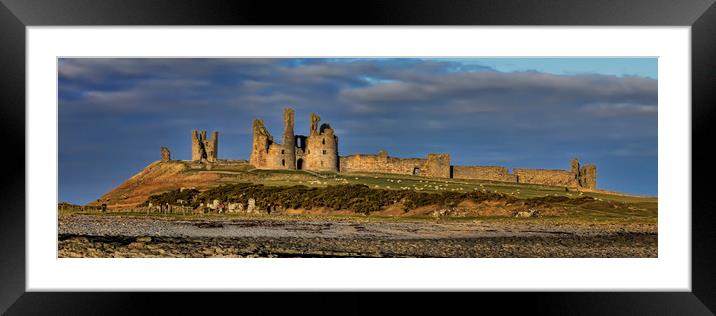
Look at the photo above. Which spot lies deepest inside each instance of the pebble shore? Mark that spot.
(114, 236)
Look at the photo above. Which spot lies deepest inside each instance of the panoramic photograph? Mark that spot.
(357, 157)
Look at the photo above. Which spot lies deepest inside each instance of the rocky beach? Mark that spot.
(137, 236)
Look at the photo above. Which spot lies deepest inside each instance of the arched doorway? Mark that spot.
(299, 164)
(416, 171)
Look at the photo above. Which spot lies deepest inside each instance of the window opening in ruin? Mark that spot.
(324, 151)
(324, 141)
(416, 171)
(299, 164)
(283, 162)
(282, 152)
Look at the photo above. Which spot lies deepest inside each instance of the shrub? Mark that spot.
(357, 198)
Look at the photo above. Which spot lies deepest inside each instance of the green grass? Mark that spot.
(607, 208)
(389, 181)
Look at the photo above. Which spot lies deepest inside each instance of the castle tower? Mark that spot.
(203, 149)
(211, 146)
(321, 147)
(288, 159)
(196, 146)
(588, 177)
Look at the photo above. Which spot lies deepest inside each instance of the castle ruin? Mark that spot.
(319, 152)
(203, 149)
(316, 152)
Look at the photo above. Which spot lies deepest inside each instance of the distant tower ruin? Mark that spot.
(574, 168)
(585, 176)
(203, 149)
(588, 177)
(166, 155)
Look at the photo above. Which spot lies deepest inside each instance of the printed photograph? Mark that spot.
(357, 157)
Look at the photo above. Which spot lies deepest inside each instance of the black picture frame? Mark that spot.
(16, 15)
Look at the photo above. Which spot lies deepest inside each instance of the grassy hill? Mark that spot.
(160, 177)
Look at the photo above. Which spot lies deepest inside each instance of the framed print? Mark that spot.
(417, 147)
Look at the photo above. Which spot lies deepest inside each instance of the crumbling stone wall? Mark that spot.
(261, 143)
(203, 149)
(491, 173)
(436, 165)
(545, 176)
(265, 153)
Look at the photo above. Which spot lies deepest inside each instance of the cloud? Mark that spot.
(491, 90)
(620, 109)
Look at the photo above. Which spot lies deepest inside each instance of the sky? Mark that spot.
(115, 114)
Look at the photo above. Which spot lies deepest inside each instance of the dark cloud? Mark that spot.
(115, 113)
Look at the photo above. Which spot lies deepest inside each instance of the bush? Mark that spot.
(357, 198)
(171, 197)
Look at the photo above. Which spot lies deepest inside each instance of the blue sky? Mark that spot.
(115, 114)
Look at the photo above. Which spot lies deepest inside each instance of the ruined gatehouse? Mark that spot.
(317, 152)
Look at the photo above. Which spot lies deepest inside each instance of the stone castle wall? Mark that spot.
(435, 165)
(546, 176)
(492, 173)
